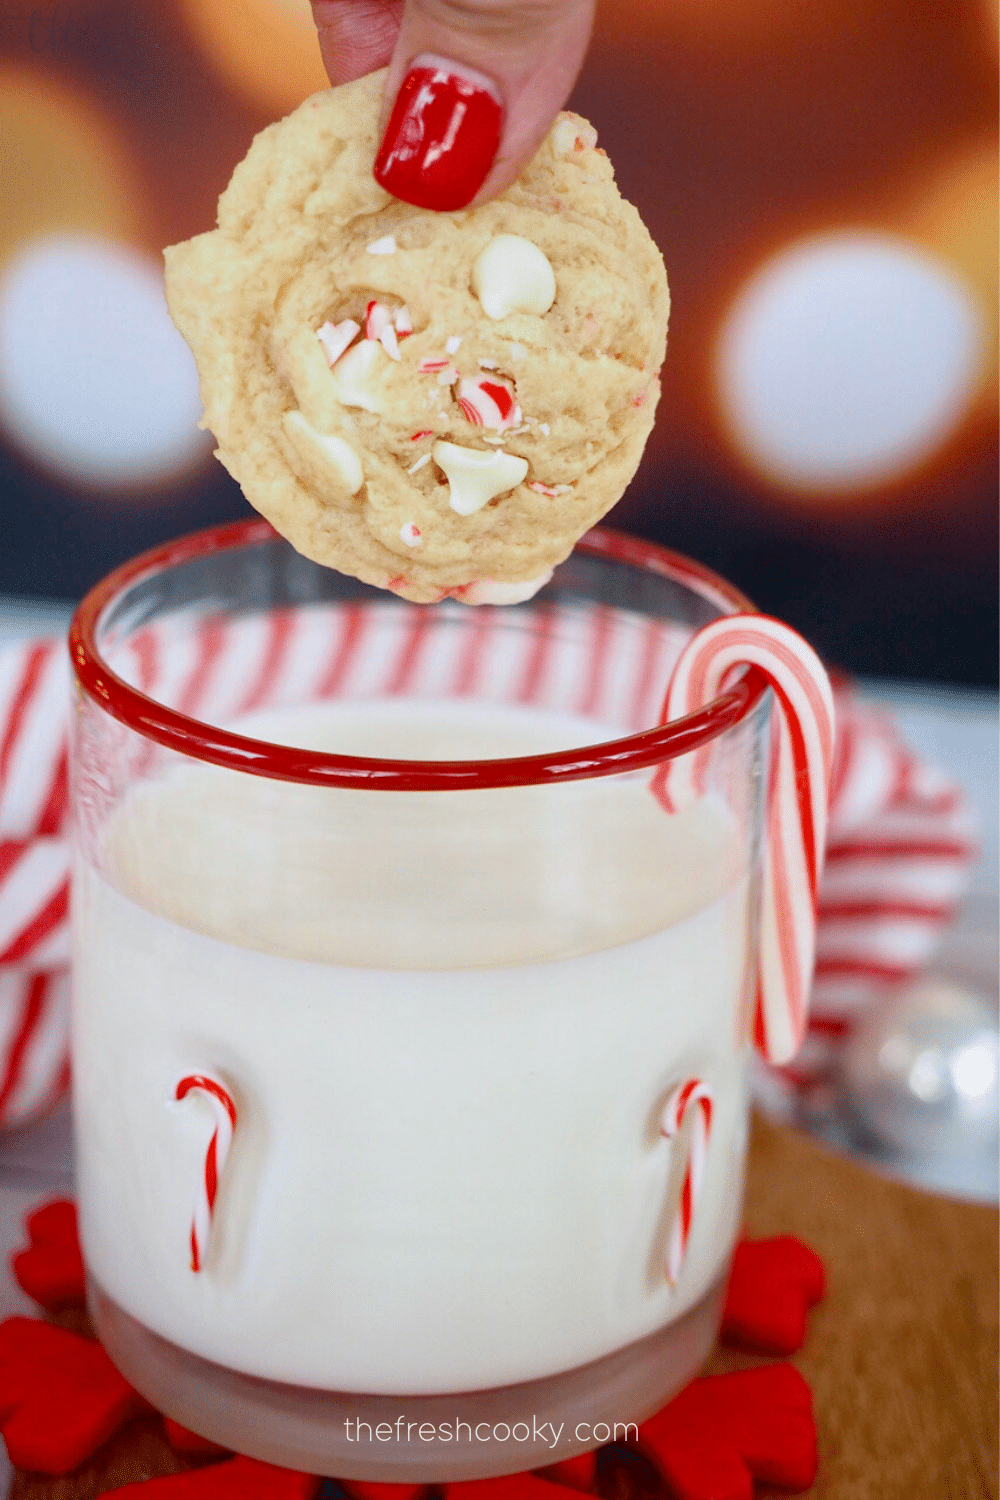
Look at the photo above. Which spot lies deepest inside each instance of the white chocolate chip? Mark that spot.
(352, 376)
(385, 246)
(475, 477)
(336, 337)
(510, 274)
(493, 591)
(332, 454)
(453, 344)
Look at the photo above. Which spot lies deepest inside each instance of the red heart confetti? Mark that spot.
(577, 1472)
(236, 1479)
(185, 1441)
(51, 1270)
(772, 1285)
(724, 1431)
(60, 1396)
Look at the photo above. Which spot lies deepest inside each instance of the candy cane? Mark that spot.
(693, 1094)
(798, 787)
(224, 1111)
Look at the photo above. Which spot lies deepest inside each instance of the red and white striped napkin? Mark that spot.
(900, 842)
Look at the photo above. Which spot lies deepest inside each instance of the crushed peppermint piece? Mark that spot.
(454, 343)
(518, 351)
(424, 432)
(544, 428)
(377, 317)
(336, 337)
(431, 366)
(487, 364)
(424, 459)
(385, 246)
(448, 375)
(488, 403)
(547, 489)
(409, 532)
(403, 322)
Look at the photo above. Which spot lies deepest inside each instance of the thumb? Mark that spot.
(472, 89)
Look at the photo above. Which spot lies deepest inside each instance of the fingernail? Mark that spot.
(442, 135)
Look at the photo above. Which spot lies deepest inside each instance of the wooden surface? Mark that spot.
(901, 1354)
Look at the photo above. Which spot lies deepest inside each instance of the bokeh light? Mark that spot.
(957, 217)
(265, 49)
(62, 167)
(846, 360)
(96, 384)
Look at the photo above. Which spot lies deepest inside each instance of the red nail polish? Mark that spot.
(441, 138)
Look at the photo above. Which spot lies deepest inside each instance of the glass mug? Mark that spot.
(410, 1030)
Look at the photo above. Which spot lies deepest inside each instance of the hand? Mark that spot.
(472, 88)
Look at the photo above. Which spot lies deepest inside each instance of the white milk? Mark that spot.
(449, 1021)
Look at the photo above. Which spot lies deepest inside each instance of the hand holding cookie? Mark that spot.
(500, 68)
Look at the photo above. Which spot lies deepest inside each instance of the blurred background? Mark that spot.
(821, 179)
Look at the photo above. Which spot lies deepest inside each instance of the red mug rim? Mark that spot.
(220, 747)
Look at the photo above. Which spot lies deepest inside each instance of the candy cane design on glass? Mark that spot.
(694, 1095)
(224, 1110)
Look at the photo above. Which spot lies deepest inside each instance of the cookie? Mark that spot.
(437, 403)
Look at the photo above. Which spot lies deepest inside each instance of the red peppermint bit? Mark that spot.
(403, 322)
(51, 1271)
(772, 1285)
(364, 1489)
(237, 1479)
(377, 317)
(61, 1398)
(547, 489)
(578, 1472)
(725, 1431)
(424, 432)
(432, 366)
(189, 1442)
(488, 403)
(399, 582)
(510, 1487)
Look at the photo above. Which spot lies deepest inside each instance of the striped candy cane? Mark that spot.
(801, 761)
(695, 1095)
(224, 1111)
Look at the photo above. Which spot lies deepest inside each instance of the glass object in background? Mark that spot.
(388, 970)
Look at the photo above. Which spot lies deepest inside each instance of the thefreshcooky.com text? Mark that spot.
(487, 1432)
